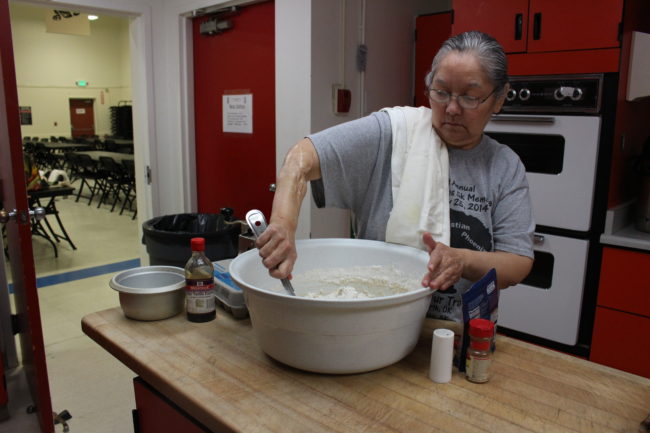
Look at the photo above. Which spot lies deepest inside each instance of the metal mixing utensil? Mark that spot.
(257, 223)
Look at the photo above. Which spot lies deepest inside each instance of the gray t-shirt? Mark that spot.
(489, 200)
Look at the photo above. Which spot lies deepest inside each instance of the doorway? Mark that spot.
(68, 111)
(56, 107)
(82, 118)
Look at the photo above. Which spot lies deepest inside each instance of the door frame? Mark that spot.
(141, 52)
(30, 331)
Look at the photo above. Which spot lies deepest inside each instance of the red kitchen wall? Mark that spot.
(235, 169)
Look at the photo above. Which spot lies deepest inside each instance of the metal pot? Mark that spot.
(335, 336)
(150, 292)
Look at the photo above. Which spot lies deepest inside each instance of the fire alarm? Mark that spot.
(342, 99)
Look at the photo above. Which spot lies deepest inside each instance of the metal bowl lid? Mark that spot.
(147, 280)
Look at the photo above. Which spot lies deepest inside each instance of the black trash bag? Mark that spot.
(167, 237)
(182, 224)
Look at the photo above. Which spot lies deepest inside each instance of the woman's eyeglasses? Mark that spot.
(465, 101)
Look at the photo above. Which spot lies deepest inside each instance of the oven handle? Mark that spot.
(519, 118)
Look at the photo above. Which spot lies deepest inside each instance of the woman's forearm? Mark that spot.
(511, 268)
(447, 265)
(277, 245)
(300, 166)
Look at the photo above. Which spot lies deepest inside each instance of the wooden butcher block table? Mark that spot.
(216, 373)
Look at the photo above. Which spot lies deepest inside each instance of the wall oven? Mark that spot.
(561, 127)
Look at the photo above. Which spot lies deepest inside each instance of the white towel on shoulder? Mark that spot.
(420, 179)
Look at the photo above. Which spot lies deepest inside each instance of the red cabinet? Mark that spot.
(156, 414)
(620, 340)
(548, 36)
(575, 25)
(543, 25)
(624, 281)
(621, 336)
(505, 20)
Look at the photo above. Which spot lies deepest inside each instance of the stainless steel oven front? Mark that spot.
(557, 127)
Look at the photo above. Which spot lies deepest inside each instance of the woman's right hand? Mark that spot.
(277, 247)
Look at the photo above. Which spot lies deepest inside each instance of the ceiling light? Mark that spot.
(93, 17)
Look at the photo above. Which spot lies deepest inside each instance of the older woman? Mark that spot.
(383, 165)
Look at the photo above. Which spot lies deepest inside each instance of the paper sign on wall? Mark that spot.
(238, 113)
(80, 111)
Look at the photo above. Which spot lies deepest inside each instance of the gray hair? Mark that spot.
(489, 52)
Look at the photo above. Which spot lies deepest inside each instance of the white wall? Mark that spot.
(293, 96)
(48, 64)
(386, 28)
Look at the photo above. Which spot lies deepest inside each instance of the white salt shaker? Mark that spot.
(442, 355)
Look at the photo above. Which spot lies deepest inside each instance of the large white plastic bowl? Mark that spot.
(333, 335)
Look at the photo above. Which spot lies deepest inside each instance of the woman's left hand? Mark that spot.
(445, 265)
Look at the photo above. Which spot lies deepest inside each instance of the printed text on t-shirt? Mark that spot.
(465, 197)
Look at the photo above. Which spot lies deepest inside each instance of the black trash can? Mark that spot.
(167, 238)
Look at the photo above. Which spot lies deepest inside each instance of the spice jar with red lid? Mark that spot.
(479, 355)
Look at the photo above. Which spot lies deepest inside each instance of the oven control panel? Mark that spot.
(554, 93)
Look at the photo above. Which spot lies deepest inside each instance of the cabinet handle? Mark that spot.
(519, 22)
(537, 26)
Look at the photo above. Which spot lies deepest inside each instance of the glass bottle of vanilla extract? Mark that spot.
(199, 284)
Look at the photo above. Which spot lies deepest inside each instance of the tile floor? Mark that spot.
(84, 379)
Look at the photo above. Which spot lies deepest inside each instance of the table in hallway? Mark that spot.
(124, 145)
(117, 156)
(64, 147)
(39, 227)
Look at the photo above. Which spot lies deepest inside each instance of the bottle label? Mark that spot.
(477, 369)
(199, 295)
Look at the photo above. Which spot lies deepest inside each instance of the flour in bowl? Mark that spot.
(357, 282)
(345, 292)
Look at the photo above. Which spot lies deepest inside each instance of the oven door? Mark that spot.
(547, 303)
(560, 155)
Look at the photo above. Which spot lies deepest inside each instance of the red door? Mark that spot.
(14, 196)
(505, 20)
(432, 30)
(576, 25)
(82, 118)
(235, 169)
